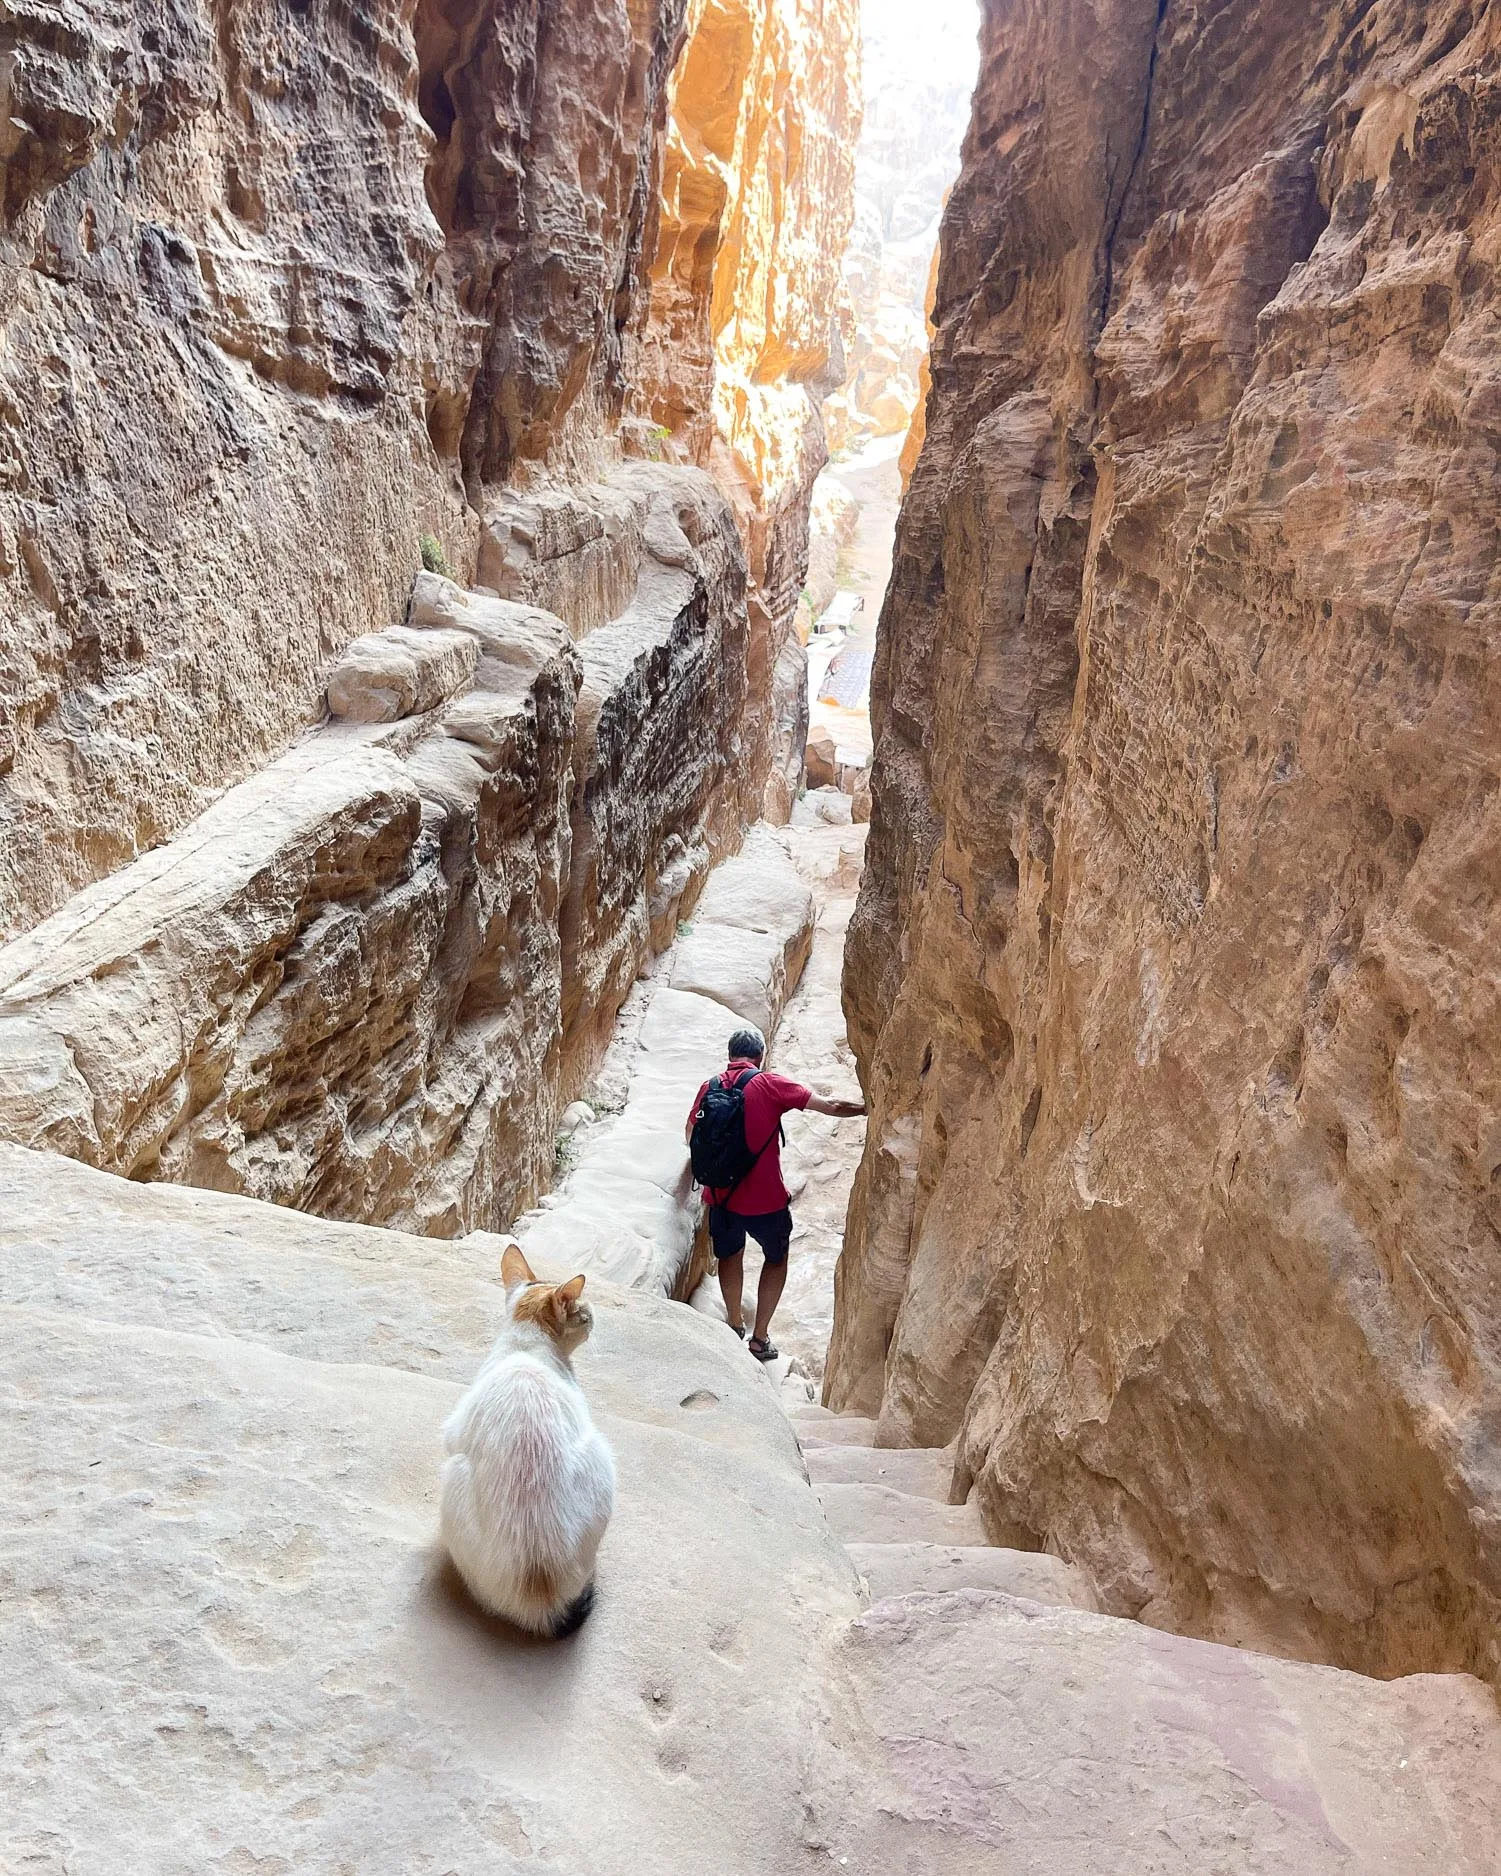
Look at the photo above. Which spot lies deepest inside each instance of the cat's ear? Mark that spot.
(564, 1298)
(514, 1268)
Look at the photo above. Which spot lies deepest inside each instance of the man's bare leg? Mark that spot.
(732, 1289)
(773, 1282)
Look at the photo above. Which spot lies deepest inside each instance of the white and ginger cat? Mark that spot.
(530, 1483)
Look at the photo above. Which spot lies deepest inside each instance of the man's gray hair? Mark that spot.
(748, 1045)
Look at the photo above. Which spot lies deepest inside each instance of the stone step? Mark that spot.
(1054, 1739)
(920, 1471)
(929, 1569)
(842, 1430)
(874, 1514)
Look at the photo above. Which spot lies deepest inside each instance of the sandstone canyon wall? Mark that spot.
(1174, 976)
(278, 282)
(319, 888)
(757, 192)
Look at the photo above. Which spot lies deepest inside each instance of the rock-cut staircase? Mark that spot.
(982, 1715)
(890, 1509)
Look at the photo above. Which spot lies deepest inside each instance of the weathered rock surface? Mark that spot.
(658, 756)
(876, 1514)
(399, 673)
(969, 1718)
(977, 1733)
(340, 987)
(919, 1471)
(365, 981)
(750, 937)
(284, 292)
(625, 1206)
(230, 1638)
(929, 1569)
(1173, 978)
(757, 199)
(278, 347)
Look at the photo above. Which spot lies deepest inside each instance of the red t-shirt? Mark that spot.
(767, 1098)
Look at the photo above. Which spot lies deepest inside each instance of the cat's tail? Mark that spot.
(575, 1615)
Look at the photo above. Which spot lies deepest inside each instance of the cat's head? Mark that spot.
(558, 1309)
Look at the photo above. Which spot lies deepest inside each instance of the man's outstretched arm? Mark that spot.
(841, 1110)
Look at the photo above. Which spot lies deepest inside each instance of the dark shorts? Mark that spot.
(771, 1230)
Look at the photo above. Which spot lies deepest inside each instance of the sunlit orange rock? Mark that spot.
(757, 200)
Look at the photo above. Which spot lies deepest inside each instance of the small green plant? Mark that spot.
(434, 558)
(657, 440)
(565, 1154)
(685, 926)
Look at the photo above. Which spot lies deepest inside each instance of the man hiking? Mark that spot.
(734, 1133)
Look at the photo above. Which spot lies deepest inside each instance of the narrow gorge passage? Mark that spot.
(821, 1153)
(453, 459)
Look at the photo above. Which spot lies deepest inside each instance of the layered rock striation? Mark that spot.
(757, 204)
(318, 894)
(1173, 975)
(364, 982)
(284, 292)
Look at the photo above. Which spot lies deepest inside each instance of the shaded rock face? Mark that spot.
(757, 201)
(280, 285)
(341, 987)
(548, 122)
(658, 755)
(314, 898)
(1172, 978)
(364, 982)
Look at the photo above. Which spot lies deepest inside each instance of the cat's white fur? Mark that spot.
(529, 1484)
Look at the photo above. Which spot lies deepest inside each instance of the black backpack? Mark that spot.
(722, 1156)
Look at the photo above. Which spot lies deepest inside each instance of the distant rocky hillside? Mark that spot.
(1174, 973)
(918, 84)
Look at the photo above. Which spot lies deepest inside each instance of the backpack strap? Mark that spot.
(743, 1081)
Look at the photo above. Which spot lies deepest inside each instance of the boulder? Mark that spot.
(399, 673)
(751, 935)
(821, 760)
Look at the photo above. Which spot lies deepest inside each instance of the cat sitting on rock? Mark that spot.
(529, 1484)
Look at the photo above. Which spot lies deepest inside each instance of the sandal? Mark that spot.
(739, 1328)
(761, 1348)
